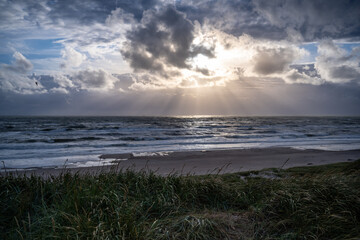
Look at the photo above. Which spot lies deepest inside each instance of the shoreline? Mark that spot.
(205, 162)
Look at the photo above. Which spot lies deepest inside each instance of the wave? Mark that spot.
(64, 140)
(40, 138)
(136, 139)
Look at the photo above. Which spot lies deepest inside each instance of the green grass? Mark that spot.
(317, 202)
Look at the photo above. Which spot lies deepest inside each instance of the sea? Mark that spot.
(55, 142)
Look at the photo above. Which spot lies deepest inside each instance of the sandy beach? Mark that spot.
(210, 162)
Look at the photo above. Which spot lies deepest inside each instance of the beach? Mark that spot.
(207, 162)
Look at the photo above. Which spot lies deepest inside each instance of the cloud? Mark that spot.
(19, 65)
(335, 64)
(163, 40)
(59, 90)
(273, 60)
(237, 99)
(15, 79)
(232, 17)
(18, 14)
(94, 80)
(94, 11)
(278, 19)
(13, 76)
(295, 76)
(316, 19)
(72, 57)
(167, 49)
(213, 59)
(63, 81)
(185, 43)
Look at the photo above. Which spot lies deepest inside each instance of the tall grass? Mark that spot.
(303, 203)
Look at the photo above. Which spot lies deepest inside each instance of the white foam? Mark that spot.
(91, 164)
(149, 154)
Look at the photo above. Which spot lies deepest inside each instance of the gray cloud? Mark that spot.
(308, 69)
(335, 64)
(345, 72)
(231, 16)
(83, 80)
(306, 77)
(278, 19)
(94, 80)
(160, 47)
(13, 77)
(81, 12)
(259, 18)
(275, 60)
(81, 22)
(19, 65)
(163, 39)
(327, 99)
(314, 19)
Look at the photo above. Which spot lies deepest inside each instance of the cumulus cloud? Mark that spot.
(14, 76)
(63, 81)
(72, 57)
(59, 90)
(336, 65)
(273, 60)
(81, 80)
(19, 65)
(163, 40)
(295, 76)
(213, 59)
(94, 80)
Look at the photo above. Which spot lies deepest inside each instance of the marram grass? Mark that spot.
(321, 202)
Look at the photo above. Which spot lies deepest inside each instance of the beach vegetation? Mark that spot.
(315, 202)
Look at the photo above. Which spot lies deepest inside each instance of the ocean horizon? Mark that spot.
(78, 141)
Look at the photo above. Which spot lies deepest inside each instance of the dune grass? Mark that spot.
(318, 202)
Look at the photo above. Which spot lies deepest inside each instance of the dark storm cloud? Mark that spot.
(315, 19)
(231, 16)
(327, 99)
(90, 11)
(164, 38)
(259, 18)
(68, 12)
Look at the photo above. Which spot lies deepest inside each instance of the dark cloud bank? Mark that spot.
(325, 99)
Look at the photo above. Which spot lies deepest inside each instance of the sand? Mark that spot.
(210, 162)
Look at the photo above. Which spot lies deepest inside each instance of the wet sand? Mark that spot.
(210, 162)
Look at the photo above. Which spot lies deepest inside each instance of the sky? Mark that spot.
(180, 57)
